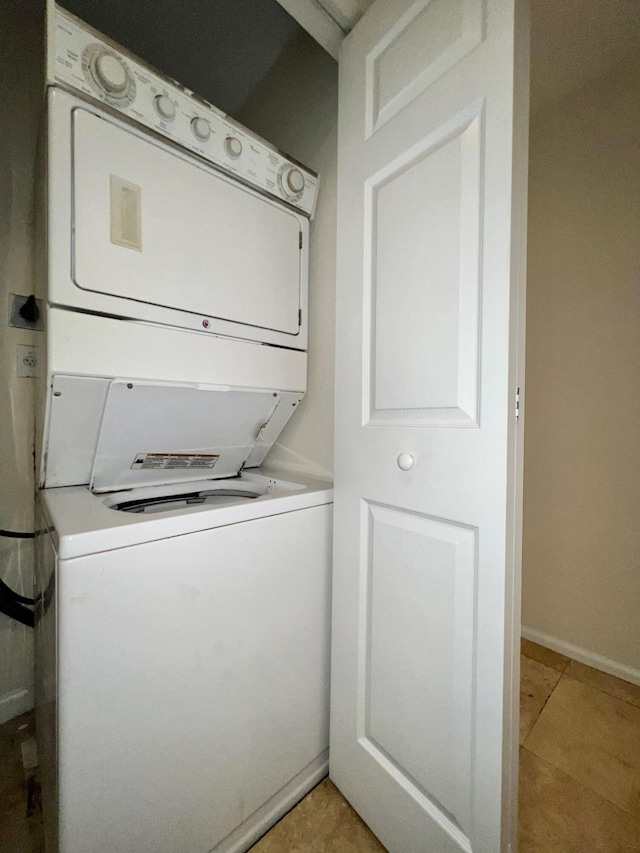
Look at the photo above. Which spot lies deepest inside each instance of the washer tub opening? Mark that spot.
(184, 500)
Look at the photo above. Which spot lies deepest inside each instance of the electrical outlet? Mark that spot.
(27, 366)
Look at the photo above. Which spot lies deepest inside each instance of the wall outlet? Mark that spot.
(27, 366)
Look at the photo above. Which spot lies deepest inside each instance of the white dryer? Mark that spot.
(141, 229)
(182, 629)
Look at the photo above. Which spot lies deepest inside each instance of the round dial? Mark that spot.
(165, 107)
(295, 180)
(233, 147)
(109, 75)
(201, 128)
(291, 182)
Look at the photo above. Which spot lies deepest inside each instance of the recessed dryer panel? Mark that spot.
(163, 230)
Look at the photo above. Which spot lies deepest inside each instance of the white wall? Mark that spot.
(20, 96)
(581, 562)
(296, 108)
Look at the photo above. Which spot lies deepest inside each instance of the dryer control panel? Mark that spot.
(88, 62)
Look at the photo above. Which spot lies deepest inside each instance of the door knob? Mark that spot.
(406, 461)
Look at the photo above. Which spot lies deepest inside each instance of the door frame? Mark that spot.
(313, 18)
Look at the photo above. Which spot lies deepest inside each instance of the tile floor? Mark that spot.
(579, 757)
(579, 770)
(579, 773)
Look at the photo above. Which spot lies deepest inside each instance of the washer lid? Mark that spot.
(159, 433)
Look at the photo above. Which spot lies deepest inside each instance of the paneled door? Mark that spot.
(432, 218)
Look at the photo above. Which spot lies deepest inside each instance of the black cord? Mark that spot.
(18, 612)
(6, 591)
(14, 534)
(11, 602)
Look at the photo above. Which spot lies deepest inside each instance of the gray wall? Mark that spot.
(296, 108)
(20, 99)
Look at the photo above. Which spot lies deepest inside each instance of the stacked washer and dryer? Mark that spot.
(182, 592)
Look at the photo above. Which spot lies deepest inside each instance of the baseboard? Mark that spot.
(621, 670)
(14, 704)
(261, 821)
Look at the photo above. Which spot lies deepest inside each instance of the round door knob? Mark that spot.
(165, 107)
(201, 128)
(233, 147)
(111, 74)
(295, 180)
(406, 461)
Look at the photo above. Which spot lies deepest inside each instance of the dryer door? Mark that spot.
(157, 228)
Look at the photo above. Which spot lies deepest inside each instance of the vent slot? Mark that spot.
(126, 213)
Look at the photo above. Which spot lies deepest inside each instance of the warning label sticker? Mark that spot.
(147, 461)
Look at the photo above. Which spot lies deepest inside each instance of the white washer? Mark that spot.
(183, 664)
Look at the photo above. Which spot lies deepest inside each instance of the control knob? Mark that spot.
(165, 107)
(111, 74)
(233, 147)
(295, 180)
(291, 182)
(201, 128)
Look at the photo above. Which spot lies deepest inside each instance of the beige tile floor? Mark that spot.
(579, 770)
(579, 774)
(579, 757)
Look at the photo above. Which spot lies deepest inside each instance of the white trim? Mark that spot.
(15, 703)
(620, 670)
(270, 812)
(317, 22)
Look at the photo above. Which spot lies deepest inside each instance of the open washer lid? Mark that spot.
(152, 434)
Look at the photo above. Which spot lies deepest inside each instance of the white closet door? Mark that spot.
(432, 217)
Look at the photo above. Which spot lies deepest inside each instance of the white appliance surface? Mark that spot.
(161, 434)
(144, 231)
(189, 689)
(120, 433)
(203, 245)
(183, 593)
(82, 361)
(84, 522)
(83, 344)
(85, 60)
